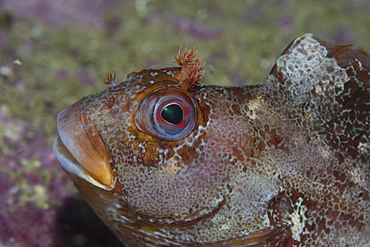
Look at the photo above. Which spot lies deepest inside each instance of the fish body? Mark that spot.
(164, 161)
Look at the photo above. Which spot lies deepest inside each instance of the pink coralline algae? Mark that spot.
(30, 197)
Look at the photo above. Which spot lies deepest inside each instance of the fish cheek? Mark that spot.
(165, 181)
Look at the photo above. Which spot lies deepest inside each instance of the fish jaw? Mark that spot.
(80, 149)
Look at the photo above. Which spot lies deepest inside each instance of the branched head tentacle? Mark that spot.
(191, 67)
(110, 80)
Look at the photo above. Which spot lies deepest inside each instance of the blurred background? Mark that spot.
(54, 52)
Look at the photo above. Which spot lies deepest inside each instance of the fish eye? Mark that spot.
(172, 113)
(169, 114)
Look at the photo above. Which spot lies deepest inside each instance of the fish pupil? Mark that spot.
(172, 114)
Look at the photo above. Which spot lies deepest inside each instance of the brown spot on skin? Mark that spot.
(236, 110)
(249, 152)
(270, 136)
(262, 145)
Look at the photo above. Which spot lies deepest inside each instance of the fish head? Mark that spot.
(144, 140)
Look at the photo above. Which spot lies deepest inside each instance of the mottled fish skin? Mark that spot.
(283, 163)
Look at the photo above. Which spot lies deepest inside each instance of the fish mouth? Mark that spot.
(80, 149)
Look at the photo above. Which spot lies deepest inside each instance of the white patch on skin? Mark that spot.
(254, 106)
(364, 147)
(298, 220)
(266, 221)
(305, 65)
(358, 176)
(170, 73)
